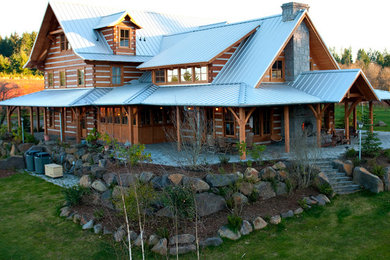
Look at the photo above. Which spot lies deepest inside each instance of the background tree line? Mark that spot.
(375, 64)
(14, 53)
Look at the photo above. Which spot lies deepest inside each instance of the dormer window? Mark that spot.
(124, 38)
(186, 75)
(173, 75)
(64, 44)
(160, 76)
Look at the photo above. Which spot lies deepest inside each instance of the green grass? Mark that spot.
(352, 227)
(381, 113)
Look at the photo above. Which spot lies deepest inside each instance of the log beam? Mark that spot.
(45, 131)
(62, 114)
(286, 129)
(242, 123)
(371, 113)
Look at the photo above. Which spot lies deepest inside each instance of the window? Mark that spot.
(124, 116)
(116, 75)
(159, 76)
(50, 79)
(262, 121)
(51, 118)
(102, 115)
(186, 75)
(117, 115)
(109, 115)
(62, 78)
(256, 122)
(267, 122)
(228, 123)
(145, 117)
(173, 75)
(201, 73)
(210, 120)
(80, 77)
(64, 44)
(158, 116)
(124, 39)
(277, 70)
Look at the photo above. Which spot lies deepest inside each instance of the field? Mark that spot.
(353, 227)
(25, 86)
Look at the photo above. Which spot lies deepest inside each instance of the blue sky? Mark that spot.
(341, 23)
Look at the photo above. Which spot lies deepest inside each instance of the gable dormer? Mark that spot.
(119, 30)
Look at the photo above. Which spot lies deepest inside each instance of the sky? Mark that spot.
(341, 23)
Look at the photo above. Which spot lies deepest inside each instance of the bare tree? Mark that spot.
(7, 91)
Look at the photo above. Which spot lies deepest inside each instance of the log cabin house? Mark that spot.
(131, 74)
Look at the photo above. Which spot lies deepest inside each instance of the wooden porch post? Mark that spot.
(45, 131)
(38, 119)
(286, 129)
(346, 120)
(318, 121)
(77, 113)
(62, 124)
(371, 109)
(178, 128)
(9, 126)
(241, 113)
(354, 120)
(19, 117)
(32, 120)
(130, 122)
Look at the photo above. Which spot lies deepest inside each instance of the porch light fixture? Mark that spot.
(161, 108)
(217, 109)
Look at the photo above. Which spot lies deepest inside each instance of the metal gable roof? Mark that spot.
(328, 85)
(382, 94)
(201, 45)
(113, 19)
(254, 56)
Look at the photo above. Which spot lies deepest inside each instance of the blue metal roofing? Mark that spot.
(382, 94)
(252, 59)
(200, 46)
(122, 95)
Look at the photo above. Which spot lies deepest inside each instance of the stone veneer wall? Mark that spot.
(297, 53)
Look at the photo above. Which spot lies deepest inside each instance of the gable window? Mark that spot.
(62, 78)
(64, 44)
(116, 75)
(201, 73)
(80, 77)
(228, 123)
(277, 72)
(124, 39)
(50, 79)
(173, 75)
(160, 76)
(186, 75)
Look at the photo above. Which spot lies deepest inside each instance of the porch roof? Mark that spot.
(58, 98)
(382, 94)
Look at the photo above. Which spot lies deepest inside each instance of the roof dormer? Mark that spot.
(119, 30)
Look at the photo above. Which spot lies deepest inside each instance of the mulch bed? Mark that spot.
(6, 173)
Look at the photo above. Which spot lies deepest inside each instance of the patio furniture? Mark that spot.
(276, 138)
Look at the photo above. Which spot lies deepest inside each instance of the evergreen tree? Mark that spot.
(362, 56)
(346, 57)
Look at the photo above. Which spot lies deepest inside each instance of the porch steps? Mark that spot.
(340, 182)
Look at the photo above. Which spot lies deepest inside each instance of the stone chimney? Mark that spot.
(291, 9)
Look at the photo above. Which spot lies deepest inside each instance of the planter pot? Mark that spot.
(46, 138)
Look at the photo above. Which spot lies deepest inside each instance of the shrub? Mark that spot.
(351, 153)
(180, 199)
(221, 170)
(378, 170)
(356, 162)
(98, 214)
(326, 189)
(241, 147)
(234, 222)
(253, 196)
(73, 195)
(162, 232)
(257, 152)
(371, 145)
(223, 159)
(92, 136)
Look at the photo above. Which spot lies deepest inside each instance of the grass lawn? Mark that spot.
(353, 227)
(381, 113)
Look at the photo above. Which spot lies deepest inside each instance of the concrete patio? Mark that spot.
(167, 154)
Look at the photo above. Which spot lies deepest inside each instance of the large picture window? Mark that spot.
(228, 123)
(186, 75)
(262, 121)
(181, 75)
(173, 75)
(116, 75)
(124, 39)
(201, 73)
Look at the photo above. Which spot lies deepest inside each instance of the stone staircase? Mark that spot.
(340, 182)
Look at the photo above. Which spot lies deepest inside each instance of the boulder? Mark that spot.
(76, 218)
(117, 192)
(368, 180)
(381, 123)
(138, 240)
(287, 214)
(70, 158)
(133, 236)
(309, 201)
(275, 219)
(386, 179)
(119, 235)
(99, 186)
(346, 167)
(25, 147)
(225, 232)
(86, 157)
(160, 247)
(97, 171)
(78, 164)
(176, 178)
(196, 184)
(251, 174)
(246, 228)
(211, 241)
(110, 178)
(182, 249)
(265, 190)
(12, 163)
(106, 196)
(246, 188)
(267, 173)
(165, 212)
(239, 199)
(322, 198)
(65, 212)
(209, 203)
(160, 182)
(259, 223)
(96, 157)
(153, 240)
(321, 180)
(279, 166)
(182, 239)
(14, 150)
(88, 225)
(97, 229)
(126, 179)
(282, 175)
(107, 231)
(85, 181)
(220, 180)
(298, 211)
(145, 177)
(320, 201)
(71, 150)
(102, 163)
(281, 188)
